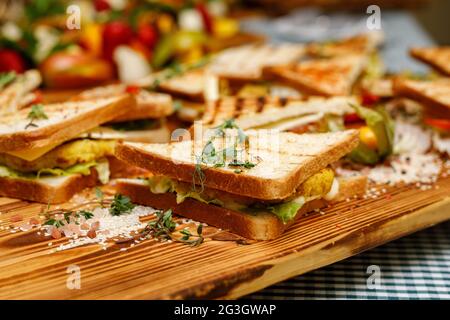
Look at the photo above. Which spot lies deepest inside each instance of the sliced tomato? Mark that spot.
(369, 99)
(352, 118)
(133, 89)
(442, 124)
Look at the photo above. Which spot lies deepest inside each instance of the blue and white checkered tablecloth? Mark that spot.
(415, 267)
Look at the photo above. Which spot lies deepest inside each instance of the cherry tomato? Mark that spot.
(101, 5)
(443, 124)
(369, 99)
(115, 33)
(352, 118)
(132, 89)
(147, 35)
(368, 137)
(11, 60)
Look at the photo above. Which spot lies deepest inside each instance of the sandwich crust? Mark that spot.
(66, 128)
(329, 148)
(262, 226)
(45, 192)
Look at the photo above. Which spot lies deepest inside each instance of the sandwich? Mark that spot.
(188, 85)
(17, 90)
(253, 183)
(144, 120)
(283, 114)
(365, 43)
(433, 94)
(326, 77)
(437, 57)
(246, 63)
(43, 158)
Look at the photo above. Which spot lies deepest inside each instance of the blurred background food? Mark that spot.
(128, 39)
(115, 38)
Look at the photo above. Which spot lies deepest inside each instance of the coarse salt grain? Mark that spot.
(111, 227)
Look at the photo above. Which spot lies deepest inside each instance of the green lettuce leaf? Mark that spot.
(381, 124)
(288, 210)
(194, 195)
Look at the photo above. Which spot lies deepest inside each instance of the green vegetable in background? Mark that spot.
(363, 154)
(383, 127)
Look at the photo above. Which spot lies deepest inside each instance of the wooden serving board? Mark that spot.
(216, 269)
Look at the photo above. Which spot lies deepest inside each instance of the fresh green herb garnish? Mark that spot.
(86, 214)
(37, 112)
(164, 227)
(68, 217)
(210, 156)
(54, 222)
(6, 78)
(121, 204)
(246, 164)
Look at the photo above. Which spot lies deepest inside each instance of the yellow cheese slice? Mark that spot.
(33, 154)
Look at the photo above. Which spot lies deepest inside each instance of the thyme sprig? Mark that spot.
(210, 156)
(36, 113)
(163, 228)
(120, 204)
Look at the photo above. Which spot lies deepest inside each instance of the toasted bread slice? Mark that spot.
(47, 190)
(64, 122)
(18, 94)
(283, 161)
(160, 134)
(261, 226)
(326, 77)
(434, 93)
(360, 44)
(148, 105)
(437, 57)
(246, 63)
(273, 112)
(188, 85)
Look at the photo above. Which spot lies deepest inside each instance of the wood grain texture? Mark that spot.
(216, 269)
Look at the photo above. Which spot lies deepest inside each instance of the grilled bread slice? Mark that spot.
(18, 93)
(261, 226)
(327, 77)
(433, 93)
(283, 161)
(437, 57)
(273, 112)
(188, 85)
(360, 44)
(62, 122)
(148, 105)
(246, 63)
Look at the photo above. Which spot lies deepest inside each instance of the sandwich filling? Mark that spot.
(320, 185)
(73, 157)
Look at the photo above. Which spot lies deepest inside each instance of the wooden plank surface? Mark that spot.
(216, 269)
